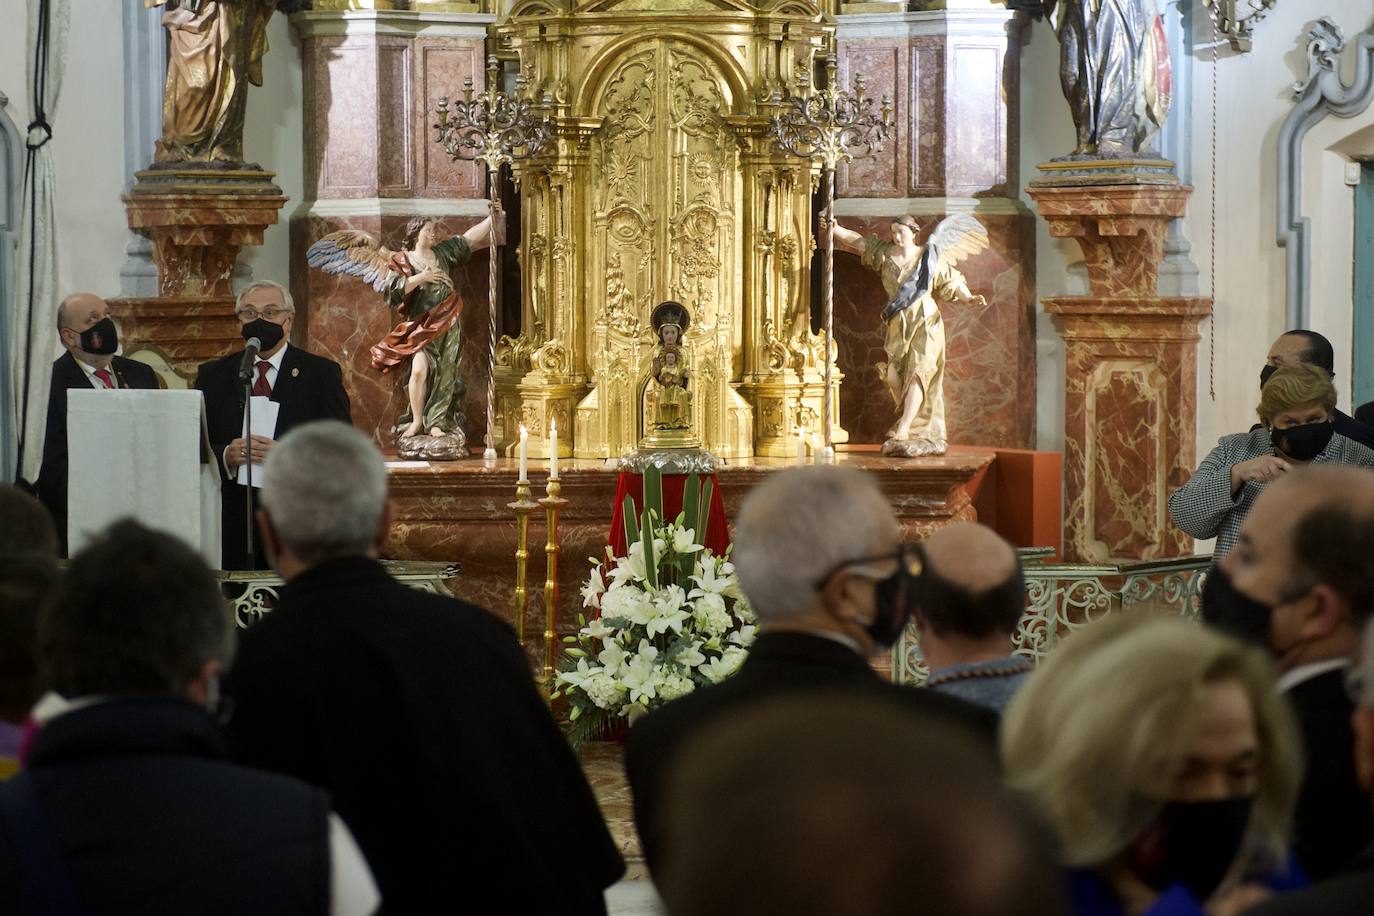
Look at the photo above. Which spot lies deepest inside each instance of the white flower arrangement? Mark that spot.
(666, 618)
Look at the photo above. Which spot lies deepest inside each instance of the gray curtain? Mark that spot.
(11, 181)
(35, 296)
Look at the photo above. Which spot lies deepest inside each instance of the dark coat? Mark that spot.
(777, 663)
(153, 818)
(419, 715)
(1346, 894)
(308, 387)
(1333, 821)
(66, 375)
(1355, 427)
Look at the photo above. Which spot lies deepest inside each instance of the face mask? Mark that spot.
(101, 338)
(268, 332)
(1268, 370)
(1302, 443)
(1234, 613)
(894, 597)
(1192, 844)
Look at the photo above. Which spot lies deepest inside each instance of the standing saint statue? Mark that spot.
(914, 278)
(416, 283)
(214, 50)
(1114, 68)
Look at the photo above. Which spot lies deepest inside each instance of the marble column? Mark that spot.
(372, 79)
(953, 75)
(1130, 405)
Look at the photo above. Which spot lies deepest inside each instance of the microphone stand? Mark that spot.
(246, 379)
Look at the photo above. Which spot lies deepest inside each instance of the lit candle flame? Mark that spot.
(523, 432)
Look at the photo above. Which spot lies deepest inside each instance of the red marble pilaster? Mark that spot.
(1130, 403)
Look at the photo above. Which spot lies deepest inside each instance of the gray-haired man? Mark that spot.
(417, 712)
(305, 386)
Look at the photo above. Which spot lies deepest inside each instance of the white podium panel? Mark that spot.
(143, 455)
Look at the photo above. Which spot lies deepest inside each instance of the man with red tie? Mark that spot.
(90, 338)
(305, 386)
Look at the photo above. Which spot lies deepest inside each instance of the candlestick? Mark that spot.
(553, 450)
(801, 446)
(551, 503)
(523, 507)
(524, 455)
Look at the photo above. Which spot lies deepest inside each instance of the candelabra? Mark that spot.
(830, 126)
(497, 128)
(523, 507)
(551, 502)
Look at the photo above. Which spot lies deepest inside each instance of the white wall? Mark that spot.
(88, 139)
(1254, 95)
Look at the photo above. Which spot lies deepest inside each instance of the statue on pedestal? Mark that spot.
(1114, 67)
(416, 282)
(214, 50)
(914, 278)
(667, 400)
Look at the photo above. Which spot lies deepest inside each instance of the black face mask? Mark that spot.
(1234, 613)
(895, 596)
(1302, 443)
(101, 338)
(1268, 370)
(1192, 844)
(270, 333)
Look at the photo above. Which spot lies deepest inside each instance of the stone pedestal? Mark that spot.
(953, 75)
(372, 79)
(1130, 411)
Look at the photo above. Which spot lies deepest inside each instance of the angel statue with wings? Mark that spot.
(916, 279)
(417, 284)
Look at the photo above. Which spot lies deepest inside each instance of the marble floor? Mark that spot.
(634, 895)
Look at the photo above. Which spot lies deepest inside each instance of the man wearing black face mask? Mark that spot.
(305, 386)
(1300, 583)
(969, 599)
(1303, 346)
(818, 556)
(90, 338)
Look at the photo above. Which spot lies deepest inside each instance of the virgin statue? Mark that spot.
(916, 279)
(667, 401)
(416, 282)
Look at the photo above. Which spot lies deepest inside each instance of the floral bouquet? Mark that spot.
(666, 618)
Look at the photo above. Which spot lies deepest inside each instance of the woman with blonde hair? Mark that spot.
(1164, 759)
(1295, 410)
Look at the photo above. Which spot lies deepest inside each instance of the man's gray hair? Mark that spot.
(798, 527)
(266, 284)
(324, 488)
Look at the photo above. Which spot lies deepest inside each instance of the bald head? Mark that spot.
(801, 524)
(972, 586)
(77, 313)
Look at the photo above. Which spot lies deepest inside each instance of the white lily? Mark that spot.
(710, 582)
(691, 656)
(640, 676)
(593, 590)
(717, 670)
(611, 658)
(684, 540)
(667, 611)
(580, 676)
(744, 636)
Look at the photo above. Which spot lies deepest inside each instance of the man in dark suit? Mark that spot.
(1303, 346)
(418, 713)
(1301, 583)
(817, 554)
(305, 386)
(90, 338)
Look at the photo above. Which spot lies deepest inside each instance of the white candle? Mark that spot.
(524, 452)
(553, 450)
(817, 453)
(801, 446)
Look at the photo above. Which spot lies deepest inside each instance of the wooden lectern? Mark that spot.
(143, 455)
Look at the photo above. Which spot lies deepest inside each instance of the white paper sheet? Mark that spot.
(264, 412)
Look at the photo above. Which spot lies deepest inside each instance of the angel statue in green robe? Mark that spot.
(416, 282)
(917, 278)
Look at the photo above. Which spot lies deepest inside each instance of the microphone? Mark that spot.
(250, 355)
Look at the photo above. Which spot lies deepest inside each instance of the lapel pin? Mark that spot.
(295, 372)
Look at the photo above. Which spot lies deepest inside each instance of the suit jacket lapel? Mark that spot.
(73, 376)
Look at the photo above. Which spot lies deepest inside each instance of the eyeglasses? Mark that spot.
(271, 313)
(909, 557)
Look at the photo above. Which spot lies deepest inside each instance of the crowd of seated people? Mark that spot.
(370, 748)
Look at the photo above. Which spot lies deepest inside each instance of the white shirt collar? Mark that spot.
(1304, 673)
(91, 370)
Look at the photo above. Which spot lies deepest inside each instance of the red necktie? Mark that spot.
(104, 376)
(261, 388)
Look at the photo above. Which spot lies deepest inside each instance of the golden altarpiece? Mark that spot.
(663, 185)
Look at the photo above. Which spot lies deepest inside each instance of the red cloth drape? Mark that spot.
(717, 537)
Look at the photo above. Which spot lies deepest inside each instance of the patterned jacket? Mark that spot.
(1204, 507)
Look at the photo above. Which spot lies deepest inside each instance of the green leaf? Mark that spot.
(704, 510)
(627, 508)
(653, 490)
(650, 568)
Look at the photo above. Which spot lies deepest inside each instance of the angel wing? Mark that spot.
(355, 254)
(955, 238)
